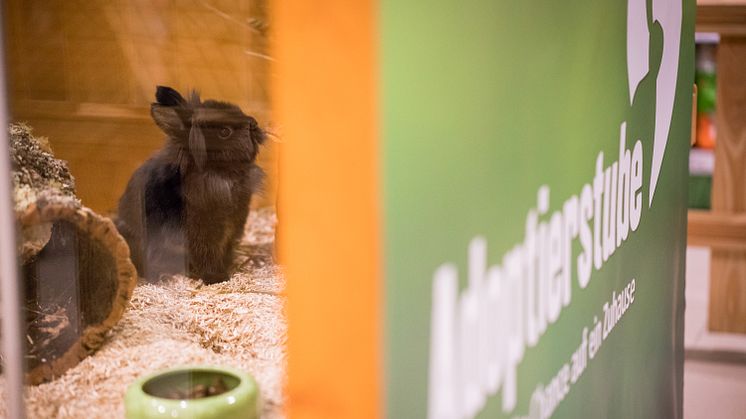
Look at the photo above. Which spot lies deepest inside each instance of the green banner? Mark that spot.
(535, 163)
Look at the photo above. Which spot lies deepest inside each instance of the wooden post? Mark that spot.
(329, 236)
(728, 266)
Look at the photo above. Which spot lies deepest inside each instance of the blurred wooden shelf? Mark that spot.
(726, 17)
(721, 2)
(717, 230)
(50, 109)
(86, 111)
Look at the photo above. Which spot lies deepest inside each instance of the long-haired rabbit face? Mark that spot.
(210, 131)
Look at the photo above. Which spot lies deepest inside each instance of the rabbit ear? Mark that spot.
(167, 110)
(167, 96)
(197, 146)
(168, 120)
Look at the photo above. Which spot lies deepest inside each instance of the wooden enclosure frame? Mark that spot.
(324, 98)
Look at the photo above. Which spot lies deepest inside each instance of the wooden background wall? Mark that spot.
(83, 74)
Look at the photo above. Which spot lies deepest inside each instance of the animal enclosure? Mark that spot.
(83, 74)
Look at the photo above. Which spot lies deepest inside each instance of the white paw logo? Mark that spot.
(668, 15)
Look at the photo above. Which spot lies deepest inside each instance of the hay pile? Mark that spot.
(181, 321)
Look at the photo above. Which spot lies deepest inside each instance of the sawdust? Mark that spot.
(178, 322)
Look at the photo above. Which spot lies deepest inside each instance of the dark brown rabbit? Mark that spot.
(185, 208)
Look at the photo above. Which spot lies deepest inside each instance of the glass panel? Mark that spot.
(145, 193)
(11, 313)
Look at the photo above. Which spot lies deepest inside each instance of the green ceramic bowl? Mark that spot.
(157, 395)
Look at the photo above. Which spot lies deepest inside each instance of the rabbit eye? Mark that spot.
(225, 132)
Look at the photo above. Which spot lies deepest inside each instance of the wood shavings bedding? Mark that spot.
(182, 321)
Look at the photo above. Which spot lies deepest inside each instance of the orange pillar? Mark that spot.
(324, 95)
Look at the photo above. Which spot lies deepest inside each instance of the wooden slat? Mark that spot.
(51, 109)
(100, 112)
(710, 3)
(728, 267)
(717, 230)
(727, 17)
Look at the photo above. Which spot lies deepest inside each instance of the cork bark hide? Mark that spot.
(76, 270)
